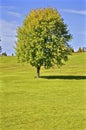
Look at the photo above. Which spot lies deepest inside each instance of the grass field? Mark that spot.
(56, 101)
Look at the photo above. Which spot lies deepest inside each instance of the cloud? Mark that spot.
(81, 12)
(8, 10)
(7, 27)
(6, 7)
(14, 14)
(8, 35)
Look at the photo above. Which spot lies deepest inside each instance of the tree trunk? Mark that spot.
(38, 71)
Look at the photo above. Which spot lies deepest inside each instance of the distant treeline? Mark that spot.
(3, 54)
(82, 49)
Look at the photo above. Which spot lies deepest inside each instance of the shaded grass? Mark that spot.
(56, 101)
(65, 77)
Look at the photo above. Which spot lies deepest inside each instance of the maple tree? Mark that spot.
(43, 38)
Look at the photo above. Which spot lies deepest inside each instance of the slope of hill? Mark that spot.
(56, 101)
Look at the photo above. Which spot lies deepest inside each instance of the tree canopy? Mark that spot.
(43, 38)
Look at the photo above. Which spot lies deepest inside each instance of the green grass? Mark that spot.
(56, 101)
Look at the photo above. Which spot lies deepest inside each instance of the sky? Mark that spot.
(13, 12)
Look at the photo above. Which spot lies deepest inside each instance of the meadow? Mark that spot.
(55, 101)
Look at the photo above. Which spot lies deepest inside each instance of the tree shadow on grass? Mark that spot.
(65, 77)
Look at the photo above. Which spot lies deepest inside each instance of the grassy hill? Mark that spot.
(56, 101)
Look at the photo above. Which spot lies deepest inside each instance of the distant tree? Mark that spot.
(71, 49)
(79, 50)
(0, 49)
(12, 54)
(43, 39)
(83, 49)
(4, 54)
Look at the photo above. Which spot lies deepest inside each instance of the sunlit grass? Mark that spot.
(56, 101)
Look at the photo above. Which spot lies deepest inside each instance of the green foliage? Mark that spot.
(4, 54)
(82, 49)
(57, 101)
(0, 49)
(71, 49)
(43, 39)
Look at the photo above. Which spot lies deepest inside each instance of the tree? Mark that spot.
(43, 39)
(4, 54)
(83, 49)
(0, 49)
(71, 49)
(80, 49)
(12, 54)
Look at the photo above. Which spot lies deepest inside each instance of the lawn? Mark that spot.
(56, 101)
